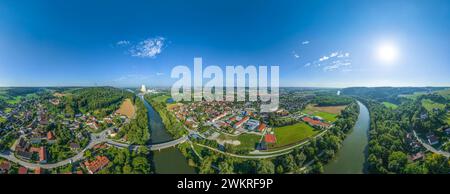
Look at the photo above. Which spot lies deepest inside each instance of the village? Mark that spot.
(225, 122)
(36, 132)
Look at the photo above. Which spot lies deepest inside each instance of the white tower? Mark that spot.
(143, 90)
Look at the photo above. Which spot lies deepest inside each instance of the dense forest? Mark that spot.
(332, 100)
(389, 94)
(99, 101)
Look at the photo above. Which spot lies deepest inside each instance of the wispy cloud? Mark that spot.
(338, 64)
(333, 61)
(123, 43)
(305, 42)
(148, 48)
(295, 54)
(159, 73)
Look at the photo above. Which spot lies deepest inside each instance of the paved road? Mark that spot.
(244, 156)
(431, 148)
(95, 139)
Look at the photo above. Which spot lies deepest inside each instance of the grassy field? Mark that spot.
(430, 105)
(412, 96)
(445, 93)
(247, 141)
(127, 108)
(390, 105)
(162, 98)
(329, 113)
(292, 134)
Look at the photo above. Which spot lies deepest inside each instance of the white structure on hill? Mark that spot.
(143, 90)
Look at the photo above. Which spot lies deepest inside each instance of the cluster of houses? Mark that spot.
(25, 151)
(415, 147)
(212, 113)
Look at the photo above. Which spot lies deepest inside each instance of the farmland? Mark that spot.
(127, 108)
(329, 113)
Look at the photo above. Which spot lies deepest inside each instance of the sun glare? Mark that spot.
(387, 53)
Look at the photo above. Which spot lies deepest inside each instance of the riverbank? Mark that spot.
(351, 158)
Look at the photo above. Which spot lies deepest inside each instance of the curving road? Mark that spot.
(95, 139)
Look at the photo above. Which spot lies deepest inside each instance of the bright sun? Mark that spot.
(387, 53)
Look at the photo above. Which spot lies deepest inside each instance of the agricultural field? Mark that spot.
(445, 93)
(430, 105)
(293, 134)
(390, 105)
(329, 113)
(412, 96)
(127, 108)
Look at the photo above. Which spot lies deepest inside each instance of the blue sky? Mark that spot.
(315, 43)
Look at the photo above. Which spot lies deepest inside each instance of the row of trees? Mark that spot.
(137, 131)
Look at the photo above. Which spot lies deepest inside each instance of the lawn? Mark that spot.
(390, 105)
(430, 105)
(293, 134)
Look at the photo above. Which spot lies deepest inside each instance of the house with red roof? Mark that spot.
(261, 127)
(99, 163)
(315, 123)
(50, 136)
(23, 170)
(41, 152)
(241, 122)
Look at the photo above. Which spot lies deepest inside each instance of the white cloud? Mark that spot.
(307, 65)
(334, 54)
(123, 43)
(296, 56)
(305, 42)
(159, 73)
(148, 48)
(337, 65)
(324, 58)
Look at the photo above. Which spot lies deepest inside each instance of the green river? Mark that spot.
(351, 158)
(170, 160)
